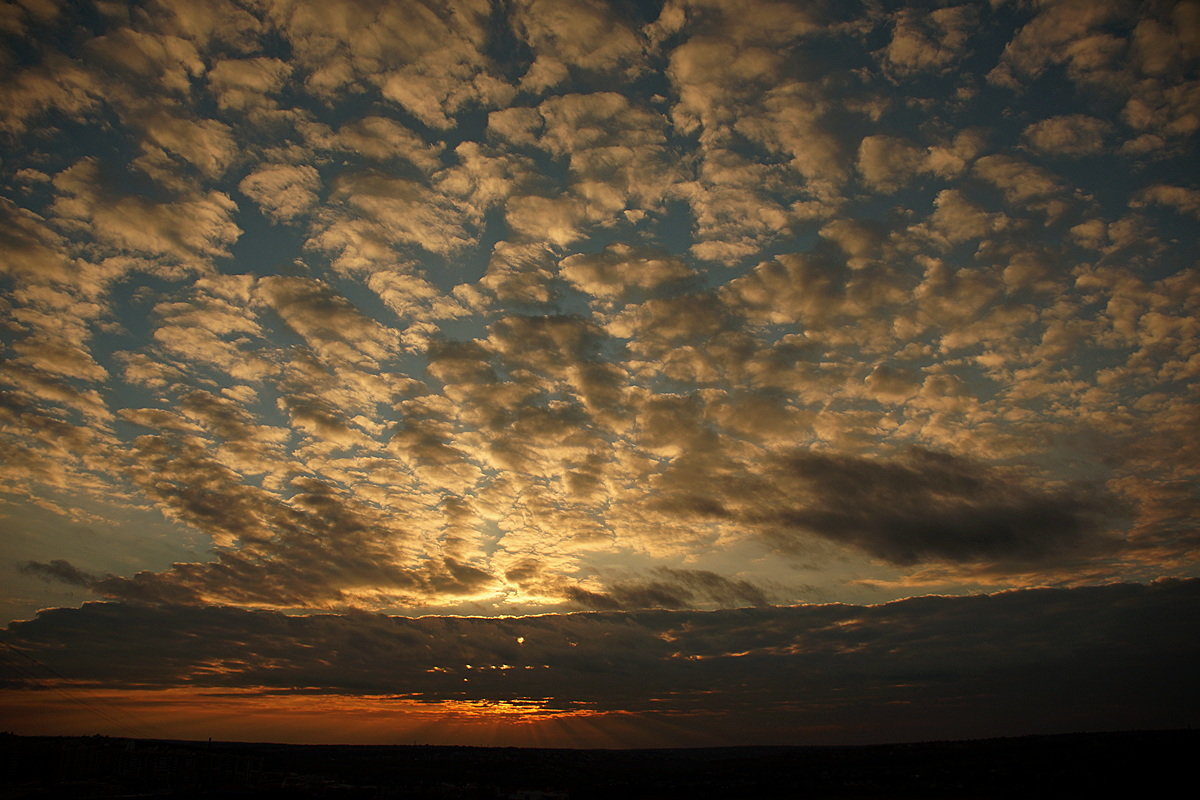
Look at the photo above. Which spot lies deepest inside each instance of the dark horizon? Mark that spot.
(1032, 766)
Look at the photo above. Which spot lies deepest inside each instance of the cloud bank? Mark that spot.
(925, 667)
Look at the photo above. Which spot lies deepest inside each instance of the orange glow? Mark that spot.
(258, 715)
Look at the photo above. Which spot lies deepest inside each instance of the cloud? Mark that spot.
(161, 61)
(483, 179)
(616, 150)
(1060, 32)
(330, 325)
(34, 252)
(887, 163)
(924, 41)
(1164, 44)
(658, 325)
(519, 125)
(221, 23)
(383, 139)
(794, 119)
(767, 22)
(734, 208)
(958, 219)
(671, 588)
(215, 326)
(1019, 181)
(577, 122)
(58, 570)
(1100, 657)
(20, 16)
(316, 546)
(889, 383)
(555, 220)
(58, 358)
(58, 83)
(235, 427)
(585, 34)
(399, 210)
(793, 288)
(932, 506)
(1183, 199)
(420, 55)
(710, 74)
(206, 144)
(480, 307)
(951, 158)
(243, 84)
(1069, 135)
(321, 419)
(191, 230)
(42, 388)
(284, 192)
(411, 295)
(621, 269)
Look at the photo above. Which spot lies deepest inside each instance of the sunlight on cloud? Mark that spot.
(536, 307)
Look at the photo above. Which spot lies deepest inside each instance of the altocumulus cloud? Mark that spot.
(640, 322)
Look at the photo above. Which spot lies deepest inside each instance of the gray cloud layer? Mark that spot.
(936, 506)
(1107, 656)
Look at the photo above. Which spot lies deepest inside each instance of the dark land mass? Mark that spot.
(1144, 763)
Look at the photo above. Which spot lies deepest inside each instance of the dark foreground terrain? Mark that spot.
(1076, 765)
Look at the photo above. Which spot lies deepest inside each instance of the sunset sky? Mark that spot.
(585, 373)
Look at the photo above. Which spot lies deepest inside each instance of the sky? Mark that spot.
(585, 373)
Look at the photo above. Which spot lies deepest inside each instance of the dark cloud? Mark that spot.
(936, 506)
(58, 570)
(1098, 657)
(671, 588)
